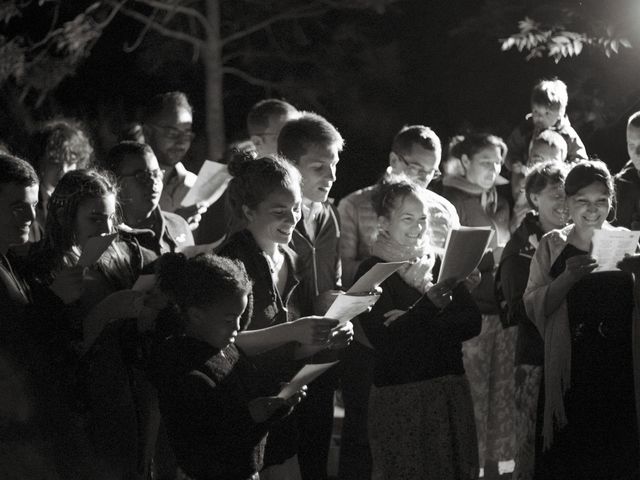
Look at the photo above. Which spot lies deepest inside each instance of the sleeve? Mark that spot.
(514, 276)
(576, 149)
(372, 322)
(348, 240)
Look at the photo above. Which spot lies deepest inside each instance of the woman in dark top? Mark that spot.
(265, 197)
(213, 397)
(586, 320)
(544, 191)
(421, 421)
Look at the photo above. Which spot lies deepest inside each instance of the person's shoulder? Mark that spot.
(359, 196)
(628, 175)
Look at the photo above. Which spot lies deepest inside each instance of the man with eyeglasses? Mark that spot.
(140, 180)
(167, 128)
(264, 122)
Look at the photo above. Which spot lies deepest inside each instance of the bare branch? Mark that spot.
(249, 78)
(184, 10)
(128, 48)
(304, 11)
(167, 32)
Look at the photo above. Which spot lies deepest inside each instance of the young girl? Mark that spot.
(265, 196)
(588, 324)
(213, 398)
(488, 358)
(421, 423)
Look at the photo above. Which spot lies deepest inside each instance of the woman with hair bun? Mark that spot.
(591, 351)
(264, 197)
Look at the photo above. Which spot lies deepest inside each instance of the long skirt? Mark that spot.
(424, 430)
(489, 362)
(527, 378)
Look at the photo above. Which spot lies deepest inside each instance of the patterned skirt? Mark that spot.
(424, 430)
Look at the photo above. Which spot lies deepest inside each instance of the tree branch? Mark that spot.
(305, 11)
(167, 32)
(188, 11)
(249, 78)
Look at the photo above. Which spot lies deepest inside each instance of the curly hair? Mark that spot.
(392, 189)
(61, 141)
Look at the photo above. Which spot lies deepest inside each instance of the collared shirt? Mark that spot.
(171, 232)
(310, 212)
(176, 186)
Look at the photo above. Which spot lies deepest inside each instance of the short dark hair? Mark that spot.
(551, 138)
(551, 172)
(390, 189)
(159, 103)
(201, 280)
(551, 93)
(310, 129)
(59, 139)
(411, 135)
(117, 154)
(261, 112)
(634, 120)
(18, 171)
(474, 142)
(586, 172)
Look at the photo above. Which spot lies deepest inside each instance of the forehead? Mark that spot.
(276, 122)
(133, 162)
(412, 203)
(489, 152)
(633, 133)
(593, 189)
(419, 154)
(536, 107)
(12, 193)
(320, 153)
(544, 147)
(283, 196)
(554, 187)
(105, 205)
(174, 116)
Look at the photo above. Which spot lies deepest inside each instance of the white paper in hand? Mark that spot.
(212, 181)
(305, 376)
(94, 248)
(375, 276)
(347, 306)
(608, 247)
(464, 249)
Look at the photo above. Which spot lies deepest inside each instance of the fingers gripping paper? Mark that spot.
(608, 247)
(306, 375)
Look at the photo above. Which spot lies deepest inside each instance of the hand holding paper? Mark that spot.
(212, 181)
(609, 247)
(306, 375)
(464, 249)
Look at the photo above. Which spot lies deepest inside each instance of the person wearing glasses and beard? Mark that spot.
(140, 180)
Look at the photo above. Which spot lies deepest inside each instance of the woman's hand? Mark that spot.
(441, 293)
(473, 280)
(392, 315)
(312, 330)
(579, 266)
(630, 264)
(341, 336)
(262, 408)
(68, 284)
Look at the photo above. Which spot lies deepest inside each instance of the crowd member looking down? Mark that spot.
(168, 130)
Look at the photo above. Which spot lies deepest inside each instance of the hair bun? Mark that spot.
(239, 162)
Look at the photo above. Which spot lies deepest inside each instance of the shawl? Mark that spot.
(554, 329)
(488, 198)
(418, 273)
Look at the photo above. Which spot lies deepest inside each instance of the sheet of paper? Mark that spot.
(374, 277)
(464, 249)
(210, 185)
(193, 250)
(94, 248)
(305, 376)
(608, 247)
(347, 306)
(144, 283)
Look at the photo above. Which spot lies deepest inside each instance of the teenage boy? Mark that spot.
(264, 122)
(167, 127)
(140, 179)
(627, 181)
(314, 145)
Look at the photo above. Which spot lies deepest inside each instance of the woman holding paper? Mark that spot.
(587, 322)
(421, 422)
(265, 197)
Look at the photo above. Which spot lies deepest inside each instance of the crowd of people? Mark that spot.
(153, 363)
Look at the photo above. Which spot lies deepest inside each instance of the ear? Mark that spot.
(249, 214)
(383, 223)
(535, 198)
(256, 140)
(466, 162)
(394, 161)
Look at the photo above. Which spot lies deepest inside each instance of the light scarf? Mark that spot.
(488, 198)
(416, 274)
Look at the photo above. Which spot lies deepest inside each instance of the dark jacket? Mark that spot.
(204, 395)
(511, 282)
(318, 263)
(170, 232)
(627, 183)
(425, 342)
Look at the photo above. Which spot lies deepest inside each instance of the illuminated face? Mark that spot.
(551, 206)
(140, 184)
(273, 220)
(407, 224)
(483, 167)
(420, 164)
(633, 145)
(545, 117)
(318, 169)
(170, 135)
(589, 207)
(95, 217)
(218, 324)
(17, 212)
(541, 152)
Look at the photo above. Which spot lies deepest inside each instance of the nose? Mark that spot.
(332, 174)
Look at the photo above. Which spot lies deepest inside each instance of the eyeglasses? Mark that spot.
(417, 171)
(174, 134)
(146, 176)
